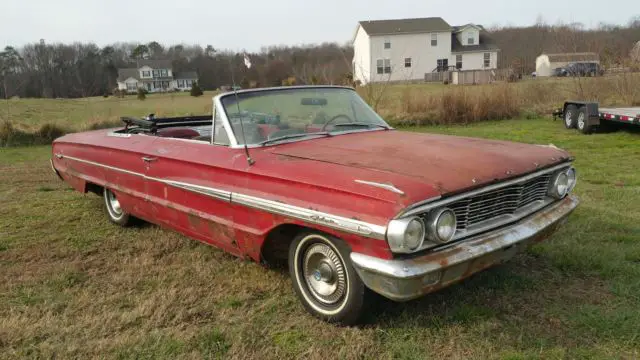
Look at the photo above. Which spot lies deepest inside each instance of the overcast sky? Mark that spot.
(251, 24)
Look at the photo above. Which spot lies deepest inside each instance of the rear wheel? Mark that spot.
(570, 116)
(114, 210)
(582, 121)
(324, 279)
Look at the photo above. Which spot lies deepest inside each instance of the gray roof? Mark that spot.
(486, 42)
(155, 64)
(569, 57)
(124, 74)
(404, 26)
(186, 75)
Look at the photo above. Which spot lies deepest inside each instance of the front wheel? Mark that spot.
(324, 279)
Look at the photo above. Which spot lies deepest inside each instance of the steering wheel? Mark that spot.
(334, 119)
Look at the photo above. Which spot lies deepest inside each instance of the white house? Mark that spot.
(154, 76)
(407, 49)
(546, 63)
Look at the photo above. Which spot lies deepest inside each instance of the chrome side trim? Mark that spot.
(311, 216)
(426, 205)
(61, 156)
(204, 190)
(389, 187)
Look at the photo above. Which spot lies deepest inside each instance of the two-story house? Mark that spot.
(154, 76)
(407, 49)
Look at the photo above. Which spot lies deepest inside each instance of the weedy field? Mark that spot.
(38, 121)
(72, 285)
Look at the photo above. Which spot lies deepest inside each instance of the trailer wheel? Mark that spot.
(570, 116)
(582, 121)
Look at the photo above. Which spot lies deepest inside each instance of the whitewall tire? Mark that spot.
(324, 279)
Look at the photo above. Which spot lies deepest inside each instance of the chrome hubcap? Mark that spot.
(114, 204)
(324, 274)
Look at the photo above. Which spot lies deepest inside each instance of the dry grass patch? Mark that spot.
(72, 285)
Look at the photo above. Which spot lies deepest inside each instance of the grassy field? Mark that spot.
(72, 285)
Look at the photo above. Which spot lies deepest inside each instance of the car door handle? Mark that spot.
(149, 159)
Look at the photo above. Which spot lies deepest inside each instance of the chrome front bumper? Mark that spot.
(407, 279)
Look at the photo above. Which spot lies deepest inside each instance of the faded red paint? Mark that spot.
(314, 174)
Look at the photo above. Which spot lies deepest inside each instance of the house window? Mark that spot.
(387, 44)
(164, 72)
(180, 83)
(146, 74)
(383, 66)
(188, 83)
(458, 61)
(487, 60)
(407, 62)
(470, 38)
(132, 86)
(443, 65)
(434, 39)
(156, 73)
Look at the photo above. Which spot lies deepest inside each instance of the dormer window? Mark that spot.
(146, 74)
(471, 39)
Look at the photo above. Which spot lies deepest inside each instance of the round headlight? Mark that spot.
(406, 235)
(442, 225)
(414, 235)
(572, 178)
(560, 185)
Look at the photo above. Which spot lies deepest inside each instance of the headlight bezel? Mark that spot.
(433, 225)
(397, 233)
(571, 179)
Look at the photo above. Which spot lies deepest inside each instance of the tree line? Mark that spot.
(53, 70)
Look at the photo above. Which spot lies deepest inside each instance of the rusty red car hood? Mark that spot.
(447, 163)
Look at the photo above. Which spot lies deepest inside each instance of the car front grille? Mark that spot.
(503, 201)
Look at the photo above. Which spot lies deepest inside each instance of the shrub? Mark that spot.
(49, 132)
(142, 94)
(104, 124)
(196, 90)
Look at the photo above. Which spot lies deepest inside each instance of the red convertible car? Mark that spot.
(312, 176)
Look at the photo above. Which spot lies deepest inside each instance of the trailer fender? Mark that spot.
(593, 112)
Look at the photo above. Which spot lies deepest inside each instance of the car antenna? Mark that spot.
(247, 63)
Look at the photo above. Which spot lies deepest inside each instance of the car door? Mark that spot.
(189, 184)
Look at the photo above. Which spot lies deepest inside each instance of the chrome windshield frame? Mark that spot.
(217, 103)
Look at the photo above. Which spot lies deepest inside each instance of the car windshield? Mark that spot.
(291, 114)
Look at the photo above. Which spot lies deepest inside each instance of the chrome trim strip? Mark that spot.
(312, 216)
(426, 205)
(389, 187)
(316, 217)
(61, 156)
(204, 190)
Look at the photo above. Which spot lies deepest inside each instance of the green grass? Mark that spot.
(80, 114)
(72, 285)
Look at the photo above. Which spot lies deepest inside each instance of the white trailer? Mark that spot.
(586, 116)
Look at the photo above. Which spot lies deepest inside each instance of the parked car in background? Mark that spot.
(312, 176)
(580, 69)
